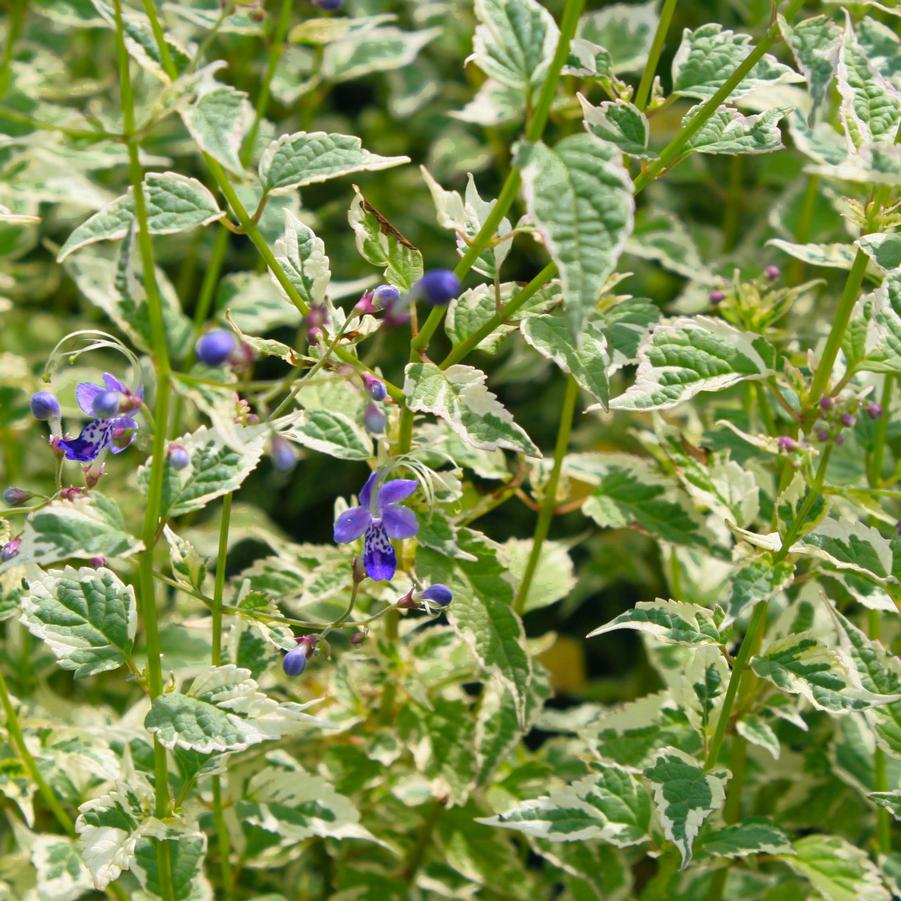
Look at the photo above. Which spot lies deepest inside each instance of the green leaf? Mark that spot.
(579, 197)
(729, 131)
(87, 617)
(62, 874)
(757, 580)
(871, 107)
(482, 612)
(674, 621)
(836, 869)
(381, 244)
(700, 687)
(757, 731)
(459, 396)
(832, 256)
(185, 559)
(218, 464)
(873, 164)
(611, 806)
(309, 158)
(848, 544)
(684, 795)
(514, 42)
(661, 236)
(682, 357)
(709, 55)
(217, 121)
(891, 801)
(814, 44)
(625, 326)
(223, 710)
(364, 51)
(884, 250)
(625, 29)
(89, 526)
(801, 664)
(186, 855)
(754, 835)
(332, 433)
(174, 203)
(554, 577)
(620, 123)
(302, 256)
(585, 360)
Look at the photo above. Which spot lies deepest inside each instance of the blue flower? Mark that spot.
(105, 429)
(379, 518)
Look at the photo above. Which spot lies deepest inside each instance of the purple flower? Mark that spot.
(99, 433)
(375, 387)
(438, 594)
(439, 287)
(374, 420)
(385, 296)
(10, 549)
(179, 458)
(215, 347)
(284, 457)
(379, 518)
(826, 402)
(328, 5)
(822, 435)
(44, 406)
(97, 561)
(295, 661)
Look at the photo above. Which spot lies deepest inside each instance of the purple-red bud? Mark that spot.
(15, 497)
(772, 272)
(716, 296)
(826, 402)
(97, 562)
(786, 443)
(822, 435)
(10, 549)
(874, 410)
(839, 439)
(375, 387)
(848, 420)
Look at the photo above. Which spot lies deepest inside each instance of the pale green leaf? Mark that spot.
(754, 835)
(332, 433)
(579, 197)
(661, 236)
(757, 580)
(729, 131)
(837, 869)
(309, 158)
(87, 617)
(831, 256)
(620, 123)
(673, 621)
(848, 544)
(365, 51)
(884, 250)
(302, 257)
(187, 853)
(554, 577)
(626, 30)
(459, 396)
(217, 121)
(757, 731)
(814, 44)
(891, 801)
(62, 874)
(625, 326)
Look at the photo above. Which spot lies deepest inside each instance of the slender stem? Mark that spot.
(546, 514)
(643, 94)
(210, 281)
(670, 154)
(14, 27)
(158, 460)
(877, 451)
(468, 344)
(805, 222)
(820, 382)
(160, 38)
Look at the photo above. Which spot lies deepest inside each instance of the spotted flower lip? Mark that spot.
(99, 434)
(379, 518)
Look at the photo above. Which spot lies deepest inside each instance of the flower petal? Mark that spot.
(399, 522)
(86, 394)
(94, 437)
(366, 490)
(351, 524)
(113, 384)
(379, 558)
(395, 491)
(122, 424)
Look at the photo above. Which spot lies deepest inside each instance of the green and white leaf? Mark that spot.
(174, 202)
(362, 52)
(585, 359)
(554, 577)
(757, 580)
(187, 853)
(381, 244)
(709, 55)
(223, 710)
(700, 686)
(186, 560)
(684, 796)
(620, 123)
(217, 121)
(729, 131)
(815, 45)
(330, 432)
(884, 250)
(848, 544)
(309, 158)
(579, 197)
(302, 257)
(891, 801)
(610, 805)
(62, 874)
(90, 526)
(87, 617)
(625, 326)
(830, 256)
(837, 869)
(672, 621)
(754, 835)
(661, 236)
(801, 664)
(682, 357)
(625, 29)
(458, 395)
(757, 731)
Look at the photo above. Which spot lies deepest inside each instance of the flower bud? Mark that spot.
(359, 569)
(328, 5)
(716, 296)
(374, 420)
(406, 602)
(439, 287)
(93, 473)
(365, 304)
(874, 410)
(786, 443)
(374, 386)
(385, 296)
(772, 272)
(839, 439)
(826, 402)
(97, 562)
(438, 594)
(44, 406)
(215, 347)
(848, 420)
(105, 405)
(10, 549)
(15, 497)
(822, 435)
(295, 661)
(179, 458)
(358, 638)
(284, 457)
(71, 493)
(314, 335)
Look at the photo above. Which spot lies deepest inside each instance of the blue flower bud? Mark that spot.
(10, 549)
(215, 347)
(295, 661)
(374, 420)
(284, 457)
(15, 497)
(179, 458)
(106, 404)
(438, 594)
(329, 5)
(374, 386)
(439, 287)
(384, 296)
(44, 405)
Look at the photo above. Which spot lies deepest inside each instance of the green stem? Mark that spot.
(158, 459)
(13, 29)
(643, 94)
(820, 382)
(160, 38)
(671, 154)
(877, 451)
(805, 223)
(546, 513)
